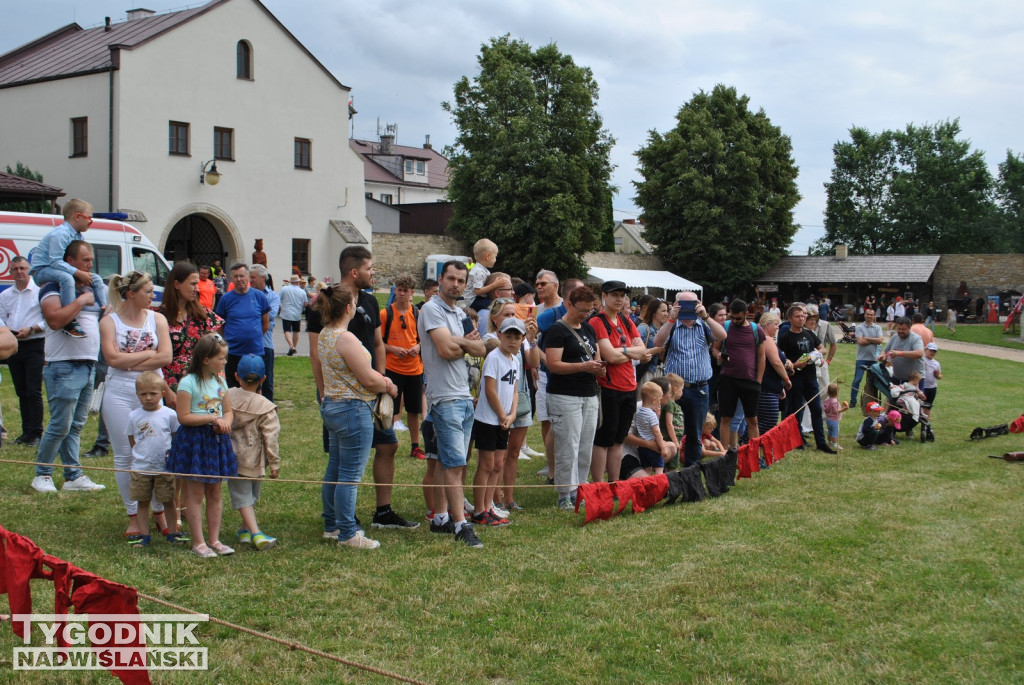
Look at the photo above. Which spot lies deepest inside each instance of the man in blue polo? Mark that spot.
(246, 314)
(686, 344)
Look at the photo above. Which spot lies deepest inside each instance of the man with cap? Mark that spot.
(619, 343)
(293, 300)
(686, 339)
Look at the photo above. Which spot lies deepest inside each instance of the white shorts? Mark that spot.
(542, 395)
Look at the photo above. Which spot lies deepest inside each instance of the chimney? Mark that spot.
(841, 251)
(106, 23)
(386, 140)
(629, 221)
(139, 13)
(426, 144)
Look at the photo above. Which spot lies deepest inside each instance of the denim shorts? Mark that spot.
(453, 428)
(833, 428)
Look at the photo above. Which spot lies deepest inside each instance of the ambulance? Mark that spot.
(117, 247)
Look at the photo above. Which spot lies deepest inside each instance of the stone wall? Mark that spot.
(615, 260)
(986, 274)
(396, 253)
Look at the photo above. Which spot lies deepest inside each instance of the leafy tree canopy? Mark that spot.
(1010, 196)
(921, 190)
(718, 191)
(530, 166)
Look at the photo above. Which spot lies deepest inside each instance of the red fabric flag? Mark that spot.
(598, 498)
(623, 489)
(23, 562)
(95, 595)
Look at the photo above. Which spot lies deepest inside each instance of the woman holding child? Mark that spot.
(348, 385)
(133, 339)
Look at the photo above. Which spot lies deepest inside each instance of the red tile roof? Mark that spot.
(73, 51)
(22, 189)
(437, 164)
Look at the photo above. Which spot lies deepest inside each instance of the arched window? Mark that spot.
(244, 60)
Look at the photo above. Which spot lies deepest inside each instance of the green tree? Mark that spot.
(718, 191)
(37, 207)
(922, 190)
(530, 166)
(1010, 196)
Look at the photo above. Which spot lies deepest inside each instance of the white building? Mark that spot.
(401, 174)
(126, 115)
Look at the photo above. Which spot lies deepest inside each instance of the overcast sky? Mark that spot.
(816, 68)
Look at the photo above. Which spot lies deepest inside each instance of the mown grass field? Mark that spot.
(985, 334)
(894, 566)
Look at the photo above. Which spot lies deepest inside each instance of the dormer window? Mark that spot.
(243, 59)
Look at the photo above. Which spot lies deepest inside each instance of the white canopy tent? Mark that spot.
(640, 278)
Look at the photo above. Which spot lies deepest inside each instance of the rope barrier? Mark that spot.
(291, 645)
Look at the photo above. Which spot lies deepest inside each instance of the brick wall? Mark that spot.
(986, 274)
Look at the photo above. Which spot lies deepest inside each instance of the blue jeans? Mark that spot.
(68, 391)
(350, 425)
(453, 426)
(694, 404)
(804, 388)
(49, 274)
(858, 374)
(268, 364)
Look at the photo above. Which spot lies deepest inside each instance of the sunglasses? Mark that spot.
(366, 317)
(502, 301)
(401, 317)
(540, 283)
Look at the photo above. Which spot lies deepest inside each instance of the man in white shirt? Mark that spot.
(69, 372)
(19, 307)
(293, 300)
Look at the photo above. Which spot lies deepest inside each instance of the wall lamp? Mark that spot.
(209, 176)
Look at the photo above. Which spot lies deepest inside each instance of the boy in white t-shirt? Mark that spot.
(495, 413)
(150, 428)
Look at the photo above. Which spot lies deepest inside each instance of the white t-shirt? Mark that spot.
(505, 371)
(152, 431)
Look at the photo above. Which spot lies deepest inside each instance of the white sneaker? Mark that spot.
(543, 472)
(399, 426)
(502, 513)
(468, 506)
(530, 452)
(360, 541)
(523, 455)
(43, 484)
(82, 484)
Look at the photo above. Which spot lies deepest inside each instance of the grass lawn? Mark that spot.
(899, 565)
(984, 334)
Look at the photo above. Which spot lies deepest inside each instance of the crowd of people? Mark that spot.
(189, 390)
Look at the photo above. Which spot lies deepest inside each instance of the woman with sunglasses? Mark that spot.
(133, 339)
(574, 362)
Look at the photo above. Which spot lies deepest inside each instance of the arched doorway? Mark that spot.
(196, 239)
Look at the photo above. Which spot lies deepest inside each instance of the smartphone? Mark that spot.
(687, 310)
(467, 326)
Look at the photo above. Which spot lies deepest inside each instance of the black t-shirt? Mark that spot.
(575, 384)
(797, 344)
(365, 322)
(314, 324)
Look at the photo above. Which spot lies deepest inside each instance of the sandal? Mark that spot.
(161, 522)
(221, 549)
(204, 552)
(133, 520)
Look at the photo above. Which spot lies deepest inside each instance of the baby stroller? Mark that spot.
(881, 380)
(849, 332)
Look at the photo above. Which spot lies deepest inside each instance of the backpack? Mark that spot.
(390, 312)
(753, 328)
(608, 324)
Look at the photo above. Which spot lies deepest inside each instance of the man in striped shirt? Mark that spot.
(686, 341)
